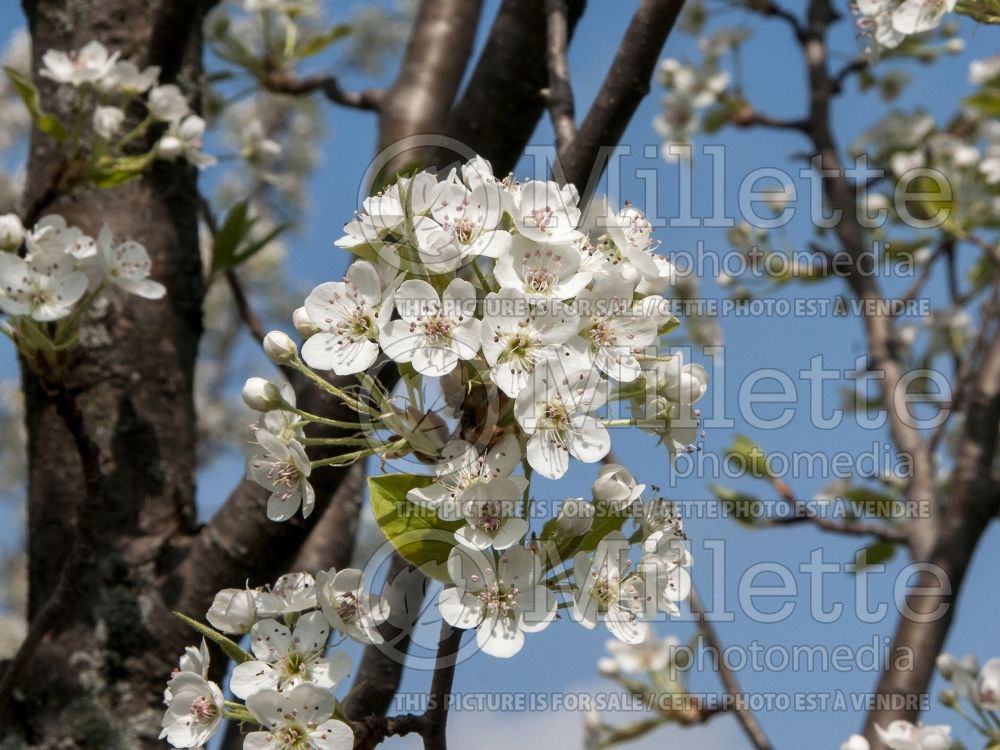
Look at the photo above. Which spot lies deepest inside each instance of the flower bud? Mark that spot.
(108, 121)
(11, 232)
(947, 665)
(575, 518)
(233, 611)
(987, 693)
(279, 346)
(303, 323)
(607, 667)
(948, 698)
(855, 742)
(261, 395)
(616, 487)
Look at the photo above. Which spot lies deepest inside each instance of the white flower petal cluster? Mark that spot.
(889, 22)
(902, 735)
(290, 675)
(59, 274)
(112, 85)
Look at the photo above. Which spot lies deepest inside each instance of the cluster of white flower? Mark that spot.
(979, 687)
(60, 273)
(889, 22)
(108, 86)
(288, 678)
(506, 294)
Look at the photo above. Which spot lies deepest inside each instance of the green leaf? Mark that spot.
(110, 172)
(743, 508)
(228, 249)
(872, 503)
(876, 553)
(231, 649)
(416, 532)
(320, 42)
(604, 524)
(987, 100)
(747, 457)
(29, 95)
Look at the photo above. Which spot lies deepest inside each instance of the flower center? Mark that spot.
(285, 477)
(203, 710)
(347, 606)
(540, 218)
(437, 328)
(602, 334)
(499, 599)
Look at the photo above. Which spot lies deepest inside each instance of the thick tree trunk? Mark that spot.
(97, 680)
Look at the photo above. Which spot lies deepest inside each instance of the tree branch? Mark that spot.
(560, 91)
(502, 103)
(436, 716)
(626, 84)
(279, 82)
(751, 728)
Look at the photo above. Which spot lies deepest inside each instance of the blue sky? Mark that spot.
(563, 657)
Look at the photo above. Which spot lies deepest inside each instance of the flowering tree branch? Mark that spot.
(626, 84)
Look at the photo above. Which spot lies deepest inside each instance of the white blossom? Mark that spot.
(348, 607)
(298, 719)
(489, 510)
(614, 330)
(124, 77)
(78, 67)
(287, 658)
(349, 315)
(290, 594)
(855, 742)
(615, 488)
(434, 332)
(108, 121)
(542, 271)
(544, 212)
(902, 735)
(126, 265)
(184, 139)
(167, 103)
(988, 686)
(194, 710)
(282, 467)
(11, 232)
(554, 410)
(233, 611)
(499, 594)
(649, 654)
(605, 588)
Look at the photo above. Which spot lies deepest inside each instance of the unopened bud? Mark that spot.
(11, 232)
(303, 323)
(261, 395)
(279, 346)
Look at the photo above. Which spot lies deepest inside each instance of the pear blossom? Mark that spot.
(184, 139)
(124, 77)
(282, 467)
(107, 121)
(488, 510)
(434, 332)
(462, 468)
(649, 654)
(902, 735)
(987, 693)
(290, 594)
(855, 742)
(348, 607)
(167, 103)
(664, 570)
(542, 271)
(614, 330)
(463, 223)
(79, 67)
(605, 588)
(349, 315)
(615, 488)
(233, 611)
(576, 517)
(554, 410)
(499, 594)
(279, 347)
(297, 719)
(44, 288)
(544, 212)
(194, 710)
(126, 265)
(287, 658)
(518, 336)
(678, 382)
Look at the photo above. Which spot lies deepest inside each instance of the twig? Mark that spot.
(286, 83)
(801, 513)
(626, 84)
(436, 715)
(854, 66)
(751, 117)
(560, 91)
(247, 315)
(774, 10)
(86, 512)
(751, 728)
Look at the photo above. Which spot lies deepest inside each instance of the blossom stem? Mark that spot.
(345, 459)
(330, 387)
(320, 420)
